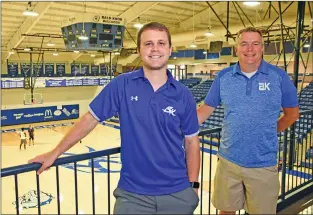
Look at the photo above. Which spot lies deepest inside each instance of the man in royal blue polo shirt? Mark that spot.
(160, 150)
(252, 93)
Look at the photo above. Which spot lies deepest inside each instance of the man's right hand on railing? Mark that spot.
(80, 129)
(46, 160)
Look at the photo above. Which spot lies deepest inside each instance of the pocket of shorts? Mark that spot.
(272, 168)
(195, 194)
(115, 192)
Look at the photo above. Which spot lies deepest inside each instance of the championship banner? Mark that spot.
(7, 83)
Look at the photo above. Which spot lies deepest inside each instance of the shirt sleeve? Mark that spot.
(289, 92)
(213, 98)
(190, 126)
(106, 104)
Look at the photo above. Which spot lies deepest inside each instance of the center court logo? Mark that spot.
(30, 200)
(170, 110)
(100, 164)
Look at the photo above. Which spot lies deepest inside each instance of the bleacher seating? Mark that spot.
(201, 90)
(215, 120)
(304, 123)
(190, 82)
(308, 162)
(309, 154)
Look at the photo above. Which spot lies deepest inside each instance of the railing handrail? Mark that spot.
(89, 155)
(209, 131)
(60, 161)
(75, 158)
(305, 111)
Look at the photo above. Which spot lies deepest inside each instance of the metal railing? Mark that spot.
(294, 163)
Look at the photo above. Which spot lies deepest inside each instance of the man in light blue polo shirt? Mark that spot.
(252, 93)
(160, 149)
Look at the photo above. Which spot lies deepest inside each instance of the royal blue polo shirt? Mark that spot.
(153, 126)
(251, 111)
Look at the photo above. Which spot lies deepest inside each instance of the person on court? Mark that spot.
(252, 93)
(31, 134)
(23, 139)
(160, 150)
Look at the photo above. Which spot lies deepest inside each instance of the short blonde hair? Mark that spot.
(249, 29)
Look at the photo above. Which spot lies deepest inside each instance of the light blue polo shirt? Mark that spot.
(153, 126)
(251, 111)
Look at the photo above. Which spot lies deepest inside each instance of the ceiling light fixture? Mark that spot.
(50, 43)
(208, 33)
(306, 45)
(29, 11)
(193, 45)
(138, 25)
(251, 3)
(27, 49)
(76, 51)
(83, 35)
(92, 55)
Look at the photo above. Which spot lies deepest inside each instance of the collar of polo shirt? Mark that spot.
(170, 79)
(263, 68)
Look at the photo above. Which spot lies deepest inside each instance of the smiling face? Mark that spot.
(154, 49)
(250, 50)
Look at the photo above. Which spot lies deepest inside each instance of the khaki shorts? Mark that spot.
(254, 189)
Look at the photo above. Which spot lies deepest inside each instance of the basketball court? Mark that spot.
(47, 135)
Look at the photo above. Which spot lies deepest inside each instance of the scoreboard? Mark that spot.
(104, 33)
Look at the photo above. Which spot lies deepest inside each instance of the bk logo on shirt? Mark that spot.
(264, 86)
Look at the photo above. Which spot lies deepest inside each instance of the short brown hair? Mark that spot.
(153, 26)
(249, 29)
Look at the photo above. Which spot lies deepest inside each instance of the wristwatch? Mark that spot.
(195, 184)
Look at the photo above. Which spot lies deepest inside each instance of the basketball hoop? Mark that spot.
(31, 99)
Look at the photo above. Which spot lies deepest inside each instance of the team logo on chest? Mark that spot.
(264, 86)
(170, 110)
(134, 98)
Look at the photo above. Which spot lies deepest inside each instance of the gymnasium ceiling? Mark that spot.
(187, 21)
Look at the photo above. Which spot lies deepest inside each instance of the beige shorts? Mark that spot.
(254, 189)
